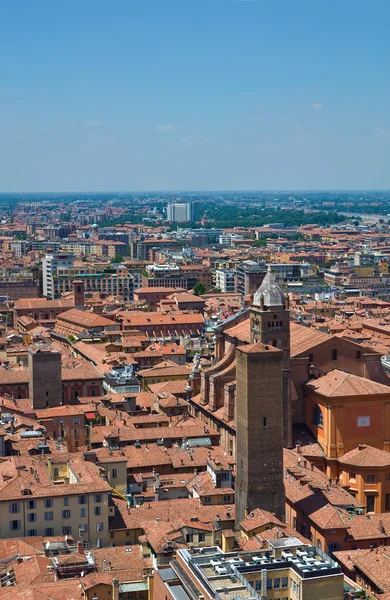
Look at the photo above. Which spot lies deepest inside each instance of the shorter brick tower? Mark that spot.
(45, 378)
(259, 408)
(78, 294)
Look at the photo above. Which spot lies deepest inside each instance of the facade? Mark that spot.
(76, 382)
(225, 280)
(175, 276)
(115, 280)
(179, 212)
(51, 264)
(341, 409)
(249, 276)
(49, 497)
(287, 272)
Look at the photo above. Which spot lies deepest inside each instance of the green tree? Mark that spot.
(117, 259)
(262, 243)
(199, 289)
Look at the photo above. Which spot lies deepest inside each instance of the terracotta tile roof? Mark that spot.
(176, 386)
(151, 434)
(169, 511)
(18, 479)
(155, 319)
(373, 564)
(84, 318)
(366, 456)
(337, 384)
(165, 369)
(259, 518)
(304, 338)
(125, 562)
(257, 348)
(42, 303)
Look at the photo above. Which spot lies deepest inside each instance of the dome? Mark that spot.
(270, 291)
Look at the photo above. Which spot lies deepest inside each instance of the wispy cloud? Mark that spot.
(382, 132)
(284, 118)
(92, 123)
(193, 139)
(256, 118)
(167, 127)
(317, 106)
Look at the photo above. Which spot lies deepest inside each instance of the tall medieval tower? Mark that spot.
(270, 324)
(259, 392)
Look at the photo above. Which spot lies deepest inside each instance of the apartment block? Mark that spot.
(54, 496)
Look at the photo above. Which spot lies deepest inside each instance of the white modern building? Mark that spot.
(179, 212)
(51, 264)
(225, 280)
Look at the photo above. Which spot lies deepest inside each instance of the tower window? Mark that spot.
(264, 421)
(334, 354)
(311, 358)
(269, 324)
(358, 354)
(281, 324)
(274, 343)
(318, 418)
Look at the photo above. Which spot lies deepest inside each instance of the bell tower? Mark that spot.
(270, 324)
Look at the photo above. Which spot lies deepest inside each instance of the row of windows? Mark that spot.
(277, 583)
(15, 507)
(334, 355)
(15, 525)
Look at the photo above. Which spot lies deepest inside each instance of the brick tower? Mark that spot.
(45, 379)
(259, 396)
(270, 324)
(78, 294)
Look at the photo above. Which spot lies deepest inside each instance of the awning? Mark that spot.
(90, 416)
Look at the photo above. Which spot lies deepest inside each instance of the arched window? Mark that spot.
(318, 419)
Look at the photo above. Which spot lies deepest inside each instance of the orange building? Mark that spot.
(342, 409)
(366, 472)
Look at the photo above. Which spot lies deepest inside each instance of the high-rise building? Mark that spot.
(249, 275)
(225, 280)
(179, 212)
(51, 264)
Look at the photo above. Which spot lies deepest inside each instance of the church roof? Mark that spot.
(338, 383)
(366, 456)
(270, 291)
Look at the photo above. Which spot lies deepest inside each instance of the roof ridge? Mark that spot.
(341, 382)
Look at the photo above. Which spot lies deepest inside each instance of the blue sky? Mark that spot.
(194, 94)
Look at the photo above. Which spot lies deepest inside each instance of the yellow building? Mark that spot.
(49, 497)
